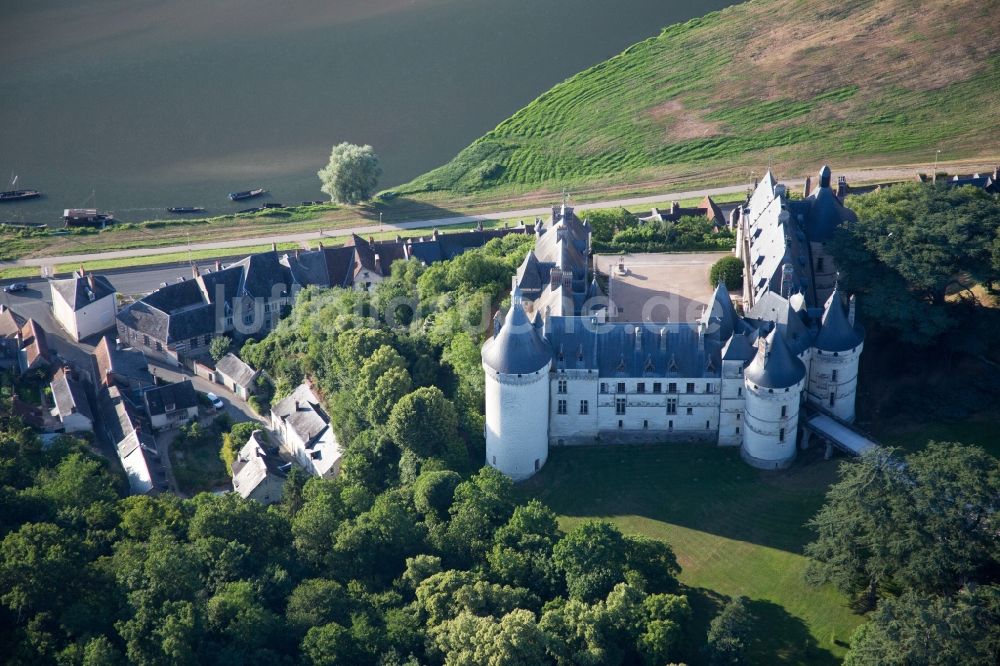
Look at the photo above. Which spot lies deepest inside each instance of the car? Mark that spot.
(215, 400)
(15, 286)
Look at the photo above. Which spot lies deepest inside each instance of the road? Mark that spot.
(367, 229)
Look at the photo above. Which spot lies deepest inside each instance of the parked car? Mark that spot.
(216, 401)
(15, 286)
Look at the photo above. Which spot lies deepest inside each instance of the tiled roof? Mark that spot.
(80, 291)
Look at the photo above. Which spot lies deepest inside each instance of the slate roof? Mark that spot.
(181, 395)
(70, 395)
(517, 348)
(252, 465)
(822, 210)
(303, 413)
(663, 350)
(772, 310)
(775, 366)
(739, 348)
(77, 290)
(136, 448)
(836, 333)
(231, 366)
(261, 274)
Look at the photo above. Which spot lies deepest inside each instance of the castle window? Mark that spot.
(562, 407)
(738, 416)
(645, 424)
(784, 411)
(604, 387)
(208, 339)
(670, 425)
(620, 424)
(737, 430)
(640, 387)
(708, 425)
(584, 407)
(657, 387)
(621, 387)
(619, 406)
(159, 347)
(538, 464)
(819, 263)
(671, 405)
(833, 397)
(561, 386)
(781, 435)
(671, 387)
(739, 391)
(690, 387)
(833, 375)
(690, 411)
(145, 340)
(708, 388)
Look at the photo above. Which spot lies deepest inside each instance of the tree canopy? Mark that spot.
(351, 175)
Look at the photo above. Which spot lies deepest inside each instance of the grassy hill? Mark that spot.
(793, 82)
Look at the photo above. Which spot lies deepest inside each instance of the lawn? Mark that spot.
(735, 530)
(194, 457)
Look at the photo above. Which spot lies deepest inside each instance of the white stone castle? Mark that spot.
(559, 371)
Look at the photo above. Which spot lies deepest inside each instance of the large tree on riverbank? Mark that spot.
(352, 173)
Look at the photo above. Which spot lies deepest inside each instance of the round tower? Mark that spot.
(773, 384)
(833, 373)
(516, 361)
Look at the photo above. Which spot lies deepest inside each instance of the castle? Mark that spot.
(560, 370)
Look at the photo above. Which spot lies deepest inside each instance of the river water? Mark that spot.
(136, 105)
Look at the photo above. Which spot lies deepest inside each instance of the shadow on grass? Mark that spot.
(698, 486)
(777, 636)
(403, 209)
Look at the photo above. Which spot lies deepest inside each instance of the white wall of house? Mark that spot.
(94, 318)
(173, 418)
(76, 422)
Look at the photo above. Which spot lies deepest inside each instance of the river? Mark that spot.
(136, 105)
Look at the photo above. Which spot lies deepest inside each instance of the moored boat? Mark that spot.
(246, 194)
(18, 195)
(186, 209)
(86, 217)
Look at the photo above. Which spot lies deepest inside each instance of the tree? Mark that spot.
(929, 525)
(592, 557)
(315, 602)
(219, 347)
(963, 630)
(480, 505)
(382, 381)
(235, 439)
(351, 175)
(522, 550)
(425, 422)
(729, 271)
(433, 492)
(729, 634)
(330, 645)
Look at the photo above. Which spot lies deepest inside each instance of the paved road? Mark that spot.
(367, 229)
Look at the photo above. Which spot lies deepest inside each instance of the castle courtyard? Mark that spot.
(659, 286)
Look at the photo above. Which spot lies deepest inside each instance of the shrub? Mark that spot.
(729, 271)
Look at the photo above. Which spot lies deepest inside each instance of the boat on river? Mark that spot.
(246, 194)
(19, 195)
(86, 217)
(180, 210)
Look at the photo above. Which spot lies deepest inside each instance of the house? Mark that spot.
(135, 446)
(236, 375)
(84, 305)
(126, 368)
(178, 321)
(303, 430)
(170, 405)
(257, 475)
(72, 405)
(10, 340)
(33, 347)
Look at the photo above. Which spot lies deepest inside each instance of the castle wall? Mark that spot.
(833, 381)
(578, 425)
(824, 271)
(517, 422)
(732, 404)
(671, 414)
(770, 434)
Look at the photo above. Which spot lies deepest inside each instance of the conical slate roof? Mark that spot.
(826, 212)
(836, 333)
(738, 348)
(518, 348)
(721, 315)
(775, 366)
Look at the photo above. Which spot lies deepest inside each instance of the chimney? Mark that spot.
(406, 251)
(319, 245)
(194, 270)
(399, 239)
(82, 272)
(787, 276)
(479, 225)
(663, 339)
(807, 187)
(371, 240)
(497, 323)
(378, 264)
(841, 187)
(851, 308)
(637, 334)
(435, 234)
(555, 278)
(218, 265)
(91, 282)
(296, 405)
(701, 336)
(675, 208)
(274, 247)
(296, 253)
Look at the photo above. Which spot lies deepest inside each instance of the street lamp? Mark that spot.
(380, 221)
(936, 154)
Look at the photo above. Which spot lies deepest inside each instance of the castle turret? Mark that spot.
(773, 385)
(833, 373)
(517, 361)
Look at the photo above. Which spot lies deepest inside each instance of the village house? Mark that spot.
(33, 347)
(303, 430)
(257, 475)
(84, 305)
(170, 405)
(236, 376)
(135, 446)
(72, 406)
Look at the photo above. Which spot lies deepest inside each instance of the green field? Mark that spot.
(786, 82)
(735, 530)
